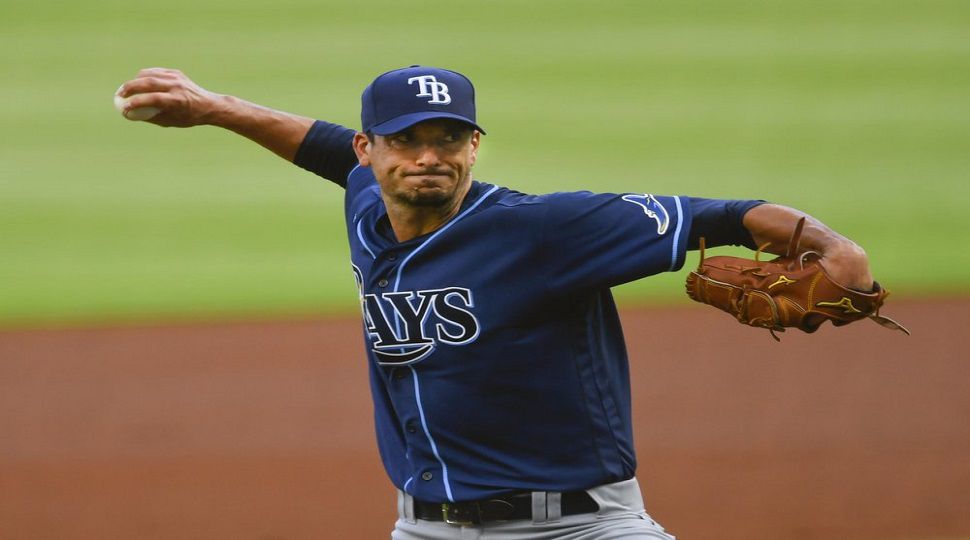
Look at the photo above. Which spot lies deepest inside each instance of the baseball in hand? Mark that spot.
(141, 113)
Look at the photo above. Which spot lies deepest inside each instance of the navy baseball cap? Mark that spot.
(398, 99)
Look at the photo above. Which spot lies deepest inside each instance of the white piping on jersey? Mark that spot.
(408, 483)
(352, 170)
(427, 433)
(360, 236)
(680, 222)
(400, 269)
(397, 324)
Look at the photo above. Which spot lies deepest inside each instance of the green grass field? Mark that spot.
(854, 111)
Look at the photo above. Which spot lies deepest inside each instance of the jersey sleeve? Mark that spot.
(720, 222)
(594, 240)
(327, 150)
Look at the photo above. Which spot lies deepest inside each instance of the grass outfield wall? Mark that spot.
(854, 111)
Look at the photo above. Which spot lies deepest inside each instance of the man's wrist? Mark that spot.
(222, 111)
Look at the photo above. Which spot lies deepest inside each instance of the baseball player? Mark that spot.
(497, 363)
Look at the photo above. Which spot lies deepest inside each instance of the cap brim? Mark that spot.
(405, 121)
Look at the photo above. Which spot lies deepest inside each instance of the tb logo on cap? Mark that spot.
(429, 86)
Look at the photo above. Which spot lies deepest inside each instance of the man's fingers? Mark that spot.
(162, 100)
(853, 275)
(156, 79)
(159, 72)
(147, 84)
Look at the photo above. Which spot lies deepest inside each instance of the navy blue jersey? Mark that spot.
(497, 361)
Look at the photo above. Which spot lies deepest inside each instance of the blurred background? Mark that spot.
(854, 111)
(165, 293)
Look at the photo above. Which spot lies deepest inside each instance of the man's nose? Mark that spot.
(428, 155)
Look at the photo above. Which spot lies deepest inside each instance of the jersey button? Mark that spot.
(392, 257)
(399, 373)
(411, 427)
(382, 283)
(426, 476)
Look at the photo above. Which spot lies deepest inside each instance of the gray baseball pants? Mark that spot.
(621, 515)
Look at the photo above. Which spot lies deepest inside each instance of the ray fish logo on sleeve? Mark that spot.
(405, 327)
(428, 86)
(652, 208)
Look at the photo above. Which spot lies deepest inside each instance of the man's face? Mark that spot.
(426, 165)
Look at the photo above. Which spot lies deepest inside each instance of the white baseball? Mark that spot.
(141, 113)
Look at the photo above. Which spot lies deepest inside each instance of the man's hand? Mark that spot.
(847, 264)
(183, 103)
(844, 260)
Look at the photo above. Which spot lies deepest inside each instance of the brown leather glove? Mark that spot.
(790, 291)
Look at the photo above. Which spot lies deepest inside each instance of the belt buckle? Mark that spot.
(446, 509)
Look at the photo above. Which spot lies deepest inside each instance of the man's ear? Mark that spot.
(476, 141)
(362, 149)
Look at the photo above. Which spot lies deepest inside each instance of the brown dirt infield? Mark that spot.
(263, 431)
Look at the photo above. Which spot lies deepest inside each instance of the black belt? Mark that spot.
(501, 508)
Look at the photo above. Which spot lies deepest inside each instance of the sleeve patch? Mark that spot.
(652, 208)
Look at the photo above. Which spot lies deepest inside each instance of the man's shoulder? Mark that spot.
(361, 182)
(511, 198)
(359, 176)
(527, 209)
(507, 197)
(363, 193)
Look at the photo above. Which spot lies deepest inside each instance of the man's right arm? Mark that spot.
(327, 150)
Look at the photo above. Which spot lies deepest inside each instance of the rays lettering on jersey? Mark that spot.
(405, 327)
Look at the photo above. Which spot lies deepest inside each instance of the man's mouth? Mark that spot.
(428, 173)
